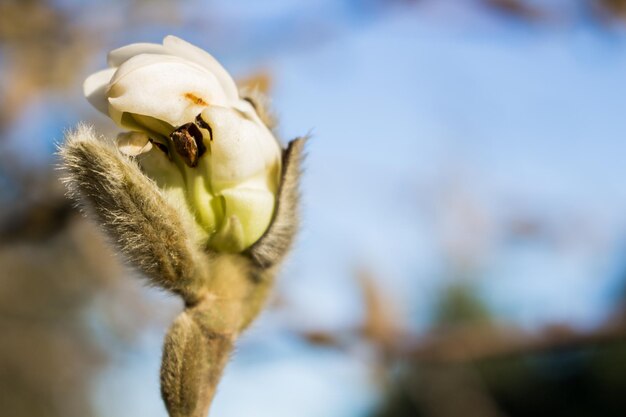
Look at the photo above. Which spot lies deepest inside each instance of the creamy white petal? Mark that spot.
(133, 143)
(123, 120)
(152, 127)
(241, 148)
(143, 60)
(247, 214)
(118, 56)
(170, 90)
(94, 89)
(191, 52)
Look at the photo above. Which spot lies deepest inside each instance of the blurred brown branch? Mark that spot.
(518, 8)
(44, 47)
(36, 222)
(47, 356)
(465, 335)
(477, 342)
(615, 8)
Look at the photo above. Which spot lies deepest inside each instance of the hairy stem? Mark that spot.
(194, 357)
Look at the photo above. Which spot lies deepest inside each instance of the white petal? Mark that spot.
(252, 209)
(142, 124)
(241, 149)
(152, 125)
(133, 143)
(247, 215)
(191, 52)
(118, 56)
(118, 117)
(124, 119)
(94, 89)
(143, 60)
(165, 88)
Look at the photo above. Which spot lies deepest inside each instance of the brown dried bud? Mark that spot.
(188, 143)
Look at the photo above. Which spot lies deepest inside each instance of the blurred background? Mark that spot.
(462, 251)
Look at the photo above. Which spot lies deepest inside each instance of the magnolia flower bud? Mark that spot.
(193, 134)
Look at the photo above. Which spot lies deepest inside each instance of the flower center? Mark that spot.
(188, 143)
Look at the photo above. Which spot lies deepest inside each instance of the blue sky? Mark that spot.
(511, 115)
